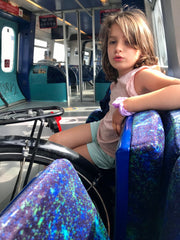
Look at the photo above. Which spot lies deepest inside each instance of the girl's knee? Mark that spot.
(54, 138)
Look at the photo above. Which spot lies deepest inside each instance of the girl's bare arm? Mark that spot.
(156, 91)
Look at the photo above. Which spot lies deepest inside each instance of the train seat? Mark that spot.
(171, 122)
(87, 73)
(101, 85)
(171, 224)
(144, 171)
(73, 80)
(99, 113)
(139, 161)
(49, 78)
(75, 69)
(63, 210)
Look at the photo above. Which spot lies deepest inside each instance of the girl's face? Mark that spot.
(121, 55)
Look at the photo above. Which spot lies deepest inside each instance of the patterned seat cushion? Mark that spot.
(171, 122)
(171, 223)
(54, 206)
(144, 176)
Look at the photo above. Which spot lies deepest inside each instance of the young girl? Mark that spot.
(129, 61)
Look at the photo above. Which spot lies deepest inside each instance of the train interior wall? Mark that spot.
(25, 29)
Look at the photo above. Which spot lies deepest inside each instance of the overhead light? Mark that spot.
(66, 22)
(35, 4)
(80, 30)
(104, 2)
(60, 19)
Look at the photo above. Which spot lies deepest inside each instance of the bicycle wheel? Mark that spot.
(94, 180)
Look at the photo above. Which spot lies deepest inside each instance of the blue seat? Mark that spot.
(101, 85)
(73, 81)
(171, 222)
(139, 161)
(171, 122)
(98, 114)
(55, 75)
(55, 205)
(87, 73)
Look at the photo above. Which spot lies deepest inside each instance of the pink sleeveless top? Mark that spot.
(106, 136)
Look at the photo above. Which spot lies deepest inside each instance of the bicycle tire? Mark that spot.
(91, 176)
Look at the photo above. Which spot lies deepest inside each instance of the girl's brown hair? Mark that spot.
(136, 30)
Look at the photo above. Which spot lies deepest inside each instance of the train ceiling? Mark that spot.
(70, 8)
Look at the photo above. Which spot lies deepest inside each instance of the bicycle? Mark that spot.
(34, 150)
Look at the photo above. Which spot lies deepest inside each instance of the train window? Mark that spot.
(87, 53)
(58, 52)
(7, 49)
(86, 58)
(159, 33)
(40, 47)
(40, 43)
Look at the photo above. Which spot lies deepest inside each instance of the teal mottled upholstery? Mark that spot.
(171, 122)
(171, 223)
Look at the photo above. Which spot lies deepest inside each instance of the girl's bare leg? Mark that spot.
(75, 138)
(83, 151)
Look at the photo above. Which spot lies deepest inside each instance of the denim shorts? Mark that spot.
(99, 157)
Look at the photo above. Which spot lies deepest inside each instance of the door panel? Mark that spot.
(8, 68)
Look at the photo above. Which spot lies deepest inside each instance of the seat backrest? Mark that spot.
(55, 75)
(171, 221)
(171, 122)
(55, 205)
(87, 74)
(49, 78)
(139, 161)
(72, 77)
(100, 77)
(73, 80)
(101, 85)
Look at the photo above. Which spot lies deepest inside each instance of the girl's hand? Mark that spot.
(117, 121)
